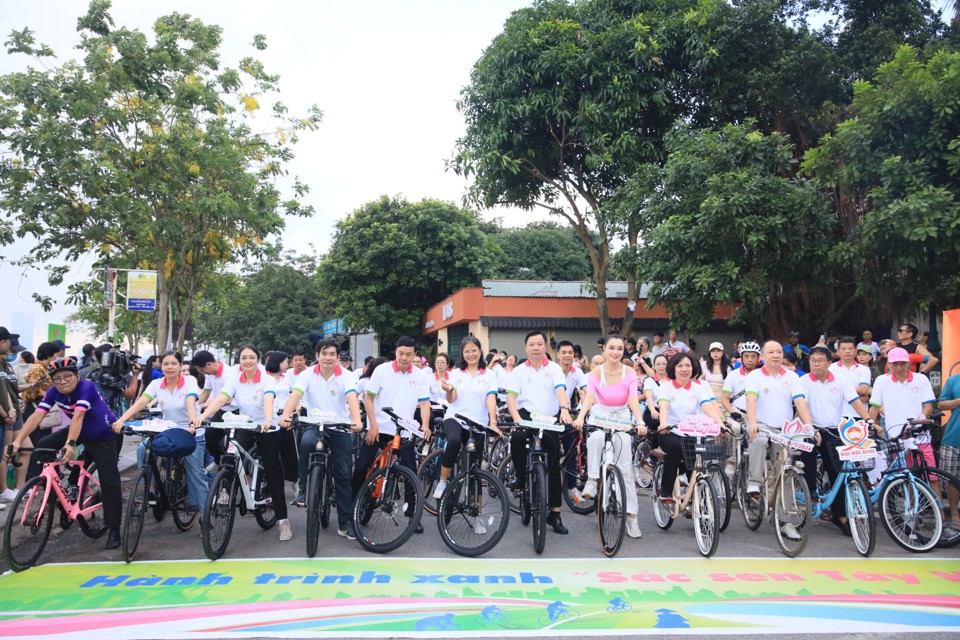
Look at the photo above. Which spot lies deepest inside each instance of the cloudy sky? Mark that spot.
(386, 74)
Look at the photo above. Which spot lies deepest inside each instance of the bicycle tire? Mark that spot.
(388, 505)
(314, 498)
(429, 475)
(538, 506)
(753, 509)
(183, 518)
(721, 486)
(137, 504)
(642, 467)
(863, 529)
(611, 510)
(326, 499)
(910, 514)
(588, 506)
(465, 505)
(792, 509)
(951, 531)
(24, 543)
(92, 524)
(662, 514)
(216, 526)
(705, 517)
(507, 475)
(264, 513)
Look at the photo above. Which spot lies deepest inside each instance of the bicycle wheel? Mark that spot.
(507, 476)
(158, 507)
(137, 505)
(474, 513)
(429, 474)
(752, 508)
(791, 513)
(314, 501)
(642, 467)
(92, 524)
(910, 514)
(183, 518)
(705, 523)
(942, 482)
(391, 496)
(538, 506)
(263, 513)
(663, 514)
(860, 516)
(499, 451)
(326, 499)
(579, 478)
(611, 510)
(219, 512)
(29, 520)
(721, 487)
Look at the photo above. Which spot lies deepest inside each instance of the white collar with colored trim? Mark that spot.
(180, 382)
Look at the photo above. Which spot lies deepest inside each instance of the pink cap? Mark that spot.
(898, 354)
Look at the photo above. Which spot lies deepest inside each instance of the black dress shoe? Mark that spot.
(113, 539)
(554, 521)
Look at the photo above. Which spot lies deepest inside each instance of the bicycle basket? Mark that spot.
(712, 451)
(174, 443)
(888, 450)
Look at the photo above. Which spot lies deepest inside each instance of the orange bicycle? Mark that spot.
(389, 503)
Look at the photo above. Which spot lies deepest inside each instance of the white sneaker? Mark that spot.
(633, 527)
(8, 495)
(478, 527)
(590, 489)
(753, 488)
(790, 531)
(2, 506)
(441, 485)
(285, 532)
(223, 498)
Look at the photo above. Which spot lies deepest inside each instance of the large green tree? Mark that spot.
(541, 251)
(894, 168)
(145, 151)
(391, 260)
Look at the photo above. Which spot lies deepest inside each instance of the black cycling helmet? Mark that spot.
(63, 364)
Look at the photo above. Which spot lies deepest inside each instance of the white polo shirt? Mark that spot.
(736, 383)
(775, 395)
(248, 395)
(682, 401)
(574, 380)
(173, 402)
(292, 376)
(215, 381)
(828, 399)
(536, 389)
(400, 390)
(472, 392)
(902, 400)
(327, 394)
(437, 394)
(857, 375)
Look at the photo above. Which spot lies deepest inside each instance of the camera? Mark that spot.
(116, 363)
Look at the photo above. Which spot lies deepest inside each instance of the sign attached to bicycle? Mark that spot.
(794, 435)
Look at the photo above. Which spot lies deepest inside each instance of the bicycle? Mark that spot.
(473, 502)
(428, 471)
(910, 511)
(611, 498)
(169, 482)
(703, 454)
(30, 516)
(389, 503)
(533, 498)
(240, 484)
(791, 496)
(643, 461)
(320, 495)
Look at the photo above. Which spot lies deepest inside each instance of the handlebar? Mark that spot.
(9, 453)
(307, 421)
(397, 420)
(473, 424)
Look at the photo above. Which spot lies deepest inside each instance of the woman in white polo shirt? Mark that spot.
(254, 391)
(176, 396)
(471, 390)
(682, 396)
(441, 374)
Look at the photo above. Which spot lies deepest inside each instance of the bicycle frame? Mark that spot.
(235, 453)
(55, 484)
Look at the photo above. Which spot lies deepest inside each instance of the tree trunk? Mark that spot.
(627, 328)
(163, 304)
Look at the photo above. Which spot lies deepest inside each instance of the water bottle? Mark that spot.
(11, 476)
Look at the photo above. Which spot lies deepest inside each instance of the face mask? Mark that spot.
(11, 358)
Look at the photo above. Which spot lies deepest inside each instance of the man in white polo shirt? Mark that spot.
(772, 392)
(329, 388)
(901, 395)
(576, 380)
(215, 375)
(830, 396)
(403, 387)
(859, 376)
(734, 395)
(539, 386)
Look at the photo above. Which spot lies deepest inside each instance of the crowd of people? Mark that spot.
(56, 401)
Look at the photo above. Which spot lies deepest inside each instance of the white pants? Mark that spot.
(622, 458)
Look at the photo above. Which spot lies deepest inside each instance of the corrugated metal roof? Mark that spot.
(517, 322)
(553, 289)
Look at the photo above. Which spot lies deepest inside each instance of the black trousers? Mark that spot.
(269, 445)
(671, 444)
(456, 437)
(104, 453)
(828, 443)
(520, 441)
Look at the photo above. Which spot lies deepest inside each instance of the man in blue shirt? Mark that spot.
(950, 443)
(803, 352)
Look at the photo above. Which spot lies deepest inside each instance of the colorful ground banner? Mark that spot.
(444, 597)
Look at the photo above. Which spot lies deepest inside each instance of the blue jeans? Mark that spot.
(198, 481)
